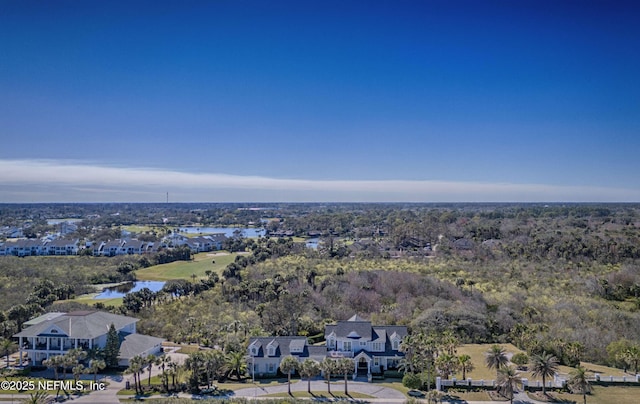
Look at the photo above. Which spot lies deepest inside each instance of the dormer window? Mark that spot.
(396, 344)
(254, 351)
(272, 351)
(54, 331)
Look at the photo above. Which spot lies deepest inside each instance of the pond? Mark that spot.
(121, 290)
(312, 243)
(228, 231)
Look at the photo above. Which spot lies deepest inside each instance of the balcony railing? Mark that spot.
(340, 354)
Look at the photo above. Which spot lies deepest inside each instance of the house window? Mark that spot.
(346, 345)
(272, 351)
(395, 344)
(376, 362)
(363, 343)
(272, 368)
(254, 351)
(377, 346)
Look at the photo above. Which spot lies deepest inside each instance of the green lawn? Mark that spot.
(185, 269)
(90, 300)
(482, 372)
(477, 351)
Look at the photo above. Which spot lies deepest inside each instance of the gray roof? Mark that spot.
(356, 325)
(62, 242)
(44, 317)
(136, 344)
(283, 347)
(79, 324)
(346, 328)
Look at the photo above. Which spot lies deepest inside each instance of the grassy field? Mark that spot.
(90, 300)
(482, 372)
(605, 395)
(477, 351)
(185, 269)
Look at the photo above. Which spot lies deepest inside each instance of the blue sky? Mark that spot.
(319, 101)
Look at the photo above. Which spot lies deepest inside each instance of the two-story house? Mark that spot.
(56, 333)
(374, 348)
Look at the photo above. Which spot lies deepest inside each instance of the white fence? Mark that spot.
(555, 382)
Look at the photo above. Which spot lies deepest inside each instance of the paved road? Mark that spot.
(372, 389)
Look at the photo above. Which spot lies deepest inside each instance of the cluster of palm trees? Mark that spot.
(74, 359)
(200, 368)
(139, 364)
(433, 354)
(542, 365)
(310, 369)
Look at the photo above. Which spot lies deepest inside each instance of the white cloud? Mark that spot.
(80, 182)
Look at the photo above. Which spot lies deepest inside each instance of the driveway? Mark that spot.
(371, 389)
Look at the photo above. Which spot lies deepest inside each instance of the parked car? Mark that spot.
(415, 393)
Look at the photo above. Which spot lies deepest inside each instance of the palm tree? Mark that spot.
(288, 365)
(446, 364)
(631, 356)
(163, 361)
(38, 397)
(346, 366)
(496, 357)
(328, 366)
(71, 359)
(213, 362)
(7, 346)
(150, 360)
(449, 343)
(309, 370)
(77, 371)
(236, 362)
(194, 363)
(136, 364)
(53, 362)
(465, 364)
(578, 382)
(173, 372)
(95, 366)
(544, 365)
(508, 380)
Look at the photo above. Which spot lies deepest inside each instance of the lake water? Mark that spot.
(53, 222)
(228, 231)
(121, 290)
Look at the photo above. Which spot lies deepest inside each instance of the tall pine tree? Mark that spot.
(112, 348)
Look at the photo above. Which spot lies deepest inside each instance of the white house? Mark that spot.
(56, 333)
(374, 348)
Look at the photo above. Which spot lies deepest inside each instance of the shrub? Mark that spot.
(411, 381)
